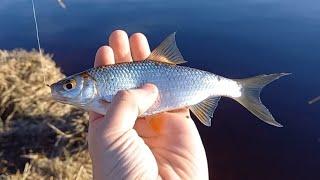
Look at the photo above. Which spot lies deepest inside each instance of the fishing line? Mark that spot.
(38, 41)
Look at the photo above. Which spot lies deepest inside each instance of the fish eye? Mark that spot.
(69, 84)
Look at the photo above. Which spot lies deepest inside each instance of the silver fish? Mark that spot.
(178, 86)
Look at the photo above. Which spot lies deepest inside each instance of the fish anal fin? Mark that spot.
(167, 52)
(205, 109)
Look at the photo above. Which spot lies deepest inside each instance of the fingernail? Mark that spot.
(153, 88)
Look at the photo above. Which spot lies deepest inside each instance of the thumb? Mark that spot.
(127, 105)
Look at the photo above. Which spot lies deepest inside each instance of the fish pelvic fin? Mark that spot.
(205, 109)
(250, 96)
(167, 52)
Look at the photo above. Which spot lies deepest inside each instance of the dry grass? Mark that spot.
(39, 138)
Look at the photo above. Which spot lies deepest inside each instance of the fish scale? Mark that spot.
(178, 86)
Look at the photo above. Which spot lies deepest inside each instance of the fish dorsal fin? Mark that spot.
(167, 52)
(205, 109)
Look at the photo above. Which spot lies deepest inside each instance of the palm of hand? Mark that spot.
(165, 145)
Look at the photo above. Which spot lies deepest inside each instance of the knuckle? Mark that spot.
(127, 97)
(124, 94)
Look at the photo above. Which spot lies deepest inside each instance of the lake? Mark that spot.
(232, 38)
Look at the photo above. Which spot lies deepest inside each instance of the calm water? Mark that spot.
(233, 38)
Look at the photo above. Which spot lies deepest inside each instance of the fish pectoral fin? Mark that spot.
(205, 109)
(167, 52)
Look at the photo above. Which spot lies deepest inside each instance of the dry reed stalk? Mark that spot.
(39, 138)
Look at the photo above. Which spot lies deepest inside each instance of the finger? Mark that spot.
(139, 46)
(128, 105)
(104, 56)
(119, 42)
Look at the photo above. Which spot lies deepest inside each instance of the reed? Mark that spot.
(39, 138)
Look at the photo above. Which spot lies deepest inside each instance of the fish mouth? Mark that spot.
(58, 98)
(55, 96)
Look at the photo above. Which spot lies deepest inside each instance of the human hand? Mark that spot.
(122, 146)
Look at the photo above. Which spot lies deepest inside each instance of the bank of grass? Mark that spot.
(39, 138)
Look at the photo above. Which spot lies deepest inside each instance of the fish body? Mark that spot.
(178, 86)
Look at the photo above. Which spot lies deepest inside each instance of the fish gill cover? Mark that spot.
(39, 138)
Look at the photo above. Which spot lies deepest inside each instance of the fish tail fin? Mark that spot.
(250, 96)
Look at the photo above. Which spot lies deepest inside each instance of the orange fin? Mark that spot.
(167, 52)
(205, 109)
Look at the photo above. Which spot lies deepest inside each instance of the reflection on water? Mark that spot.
(232, 38)
(62, 4)
(314, 100)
